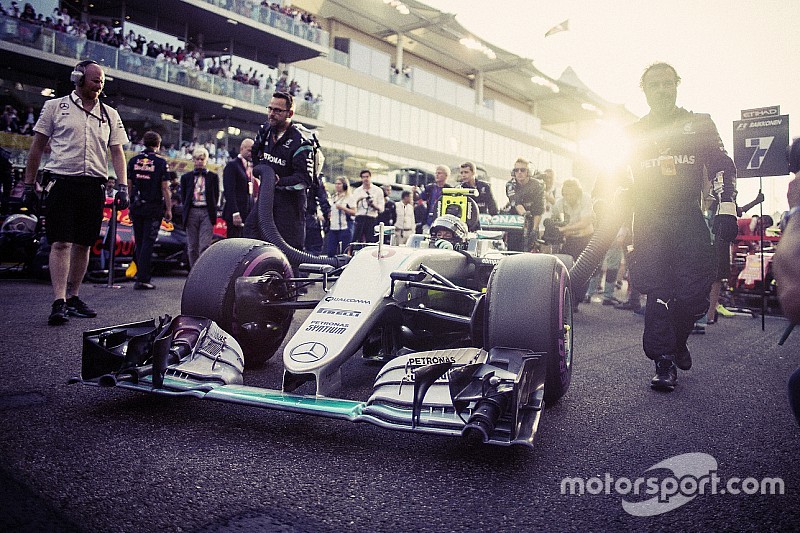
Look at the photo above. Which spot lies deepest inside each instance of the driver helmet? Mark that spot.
(449, 228)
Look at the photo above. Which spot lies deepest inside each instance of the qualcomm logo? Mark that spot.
(308, 352)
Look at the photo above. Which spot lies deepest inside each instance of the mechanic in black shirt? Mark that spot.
(674, 152)
(525, 197)
(485, 199)
(280, 145)
(149, 185)
(317, 202)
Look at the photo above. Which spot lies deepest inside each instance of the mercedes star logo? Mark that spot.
(308, 352)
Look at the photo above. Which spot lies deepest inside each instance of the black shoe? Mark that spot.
(58, 315)
(630, 305)
(666, 374)
(143, 286)
(683, 360)
(77, 307)
(698, 329)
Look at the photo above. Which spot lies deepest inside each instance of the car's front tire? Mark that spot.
(528, 306)
(210, 291)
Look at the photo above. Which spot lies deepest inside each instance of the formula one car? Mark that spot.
(473, 340)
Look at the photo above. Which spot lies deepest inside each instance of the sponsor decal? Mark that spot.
(277, 160)
(338, 312)
(761, 112)
(321, 326)
(428, 360)
(347, 300)
(680, 159)
(308, 352)
(63, 105)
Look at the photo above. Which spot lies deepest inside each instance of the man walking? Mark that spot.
(82, 131)
(149, 189)
(674, 152)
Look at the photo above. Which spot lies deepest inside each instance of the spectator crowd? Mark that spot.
(191, 57)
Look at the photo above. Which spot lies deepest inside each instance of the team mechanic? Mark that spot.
(280, 145)
(674, 151)
(82, 131)
(525, 197)
(147, 172)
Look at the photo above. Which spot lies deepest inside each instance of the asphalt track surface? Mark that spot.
(77, 458)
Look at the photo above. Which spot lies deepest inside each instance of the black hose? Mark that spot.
(592, 256)
(269, 232)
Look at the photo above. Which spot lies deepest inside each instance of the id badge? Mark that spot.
(667, 165)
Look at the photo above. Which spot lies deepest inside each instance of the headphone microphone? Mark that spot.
(78, 74)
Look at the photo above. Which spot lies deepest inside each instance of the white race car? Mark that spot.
(473, 341)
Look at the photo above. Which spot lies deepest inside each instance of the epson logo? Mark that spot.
(347, 300)
(756, 113)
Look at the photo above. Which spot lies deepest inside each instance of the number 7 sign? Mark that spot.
(758, 146)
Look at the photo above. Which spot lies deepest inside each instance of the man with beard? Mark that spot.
(674, 152)
(280, 145)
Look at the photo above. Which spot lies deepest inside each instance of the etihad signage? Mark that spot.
(761, 112)
(759, 142)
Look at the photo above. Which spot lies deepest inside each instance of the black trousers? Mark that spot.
(674, 265)
(364, 230)
(146, 222)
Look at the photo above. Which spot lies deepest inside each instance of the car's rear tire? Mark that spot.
(210, 290)
(529, 306)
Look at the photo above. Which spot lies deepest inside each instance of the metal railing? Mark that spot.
(79, 47)
(253, 10)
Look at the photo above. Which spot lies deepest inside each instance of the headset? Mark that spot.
(527, 166)
(79, 72)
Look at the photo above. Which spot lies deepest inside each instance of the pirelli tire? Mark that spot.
(210, 291)
(529, 306)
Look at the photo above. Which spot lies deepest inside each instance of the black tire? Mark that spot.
(528, 306)
(210, 289)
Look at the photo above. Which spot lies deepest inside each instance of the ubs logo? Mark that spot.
(308, 352)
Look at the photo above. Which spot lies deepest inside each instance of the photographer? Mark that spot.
(526, 198)
(369, 201)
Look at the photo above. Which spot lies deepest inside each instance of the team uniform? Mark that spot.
(531, 197)
(78, 166)
(291, 157)
(485, 199)
(146, 173)
(672, 260)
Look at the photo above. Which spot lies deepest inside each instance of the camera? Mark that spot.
(551, 235)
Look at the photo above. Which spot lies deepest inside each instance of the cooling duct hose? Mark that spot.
(611, 220)
(269, 232)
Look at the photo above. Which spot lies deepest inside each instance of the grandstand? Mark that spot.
(386, 89)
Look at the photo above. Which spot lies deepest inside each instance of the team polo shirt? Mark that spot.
(79, 139)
